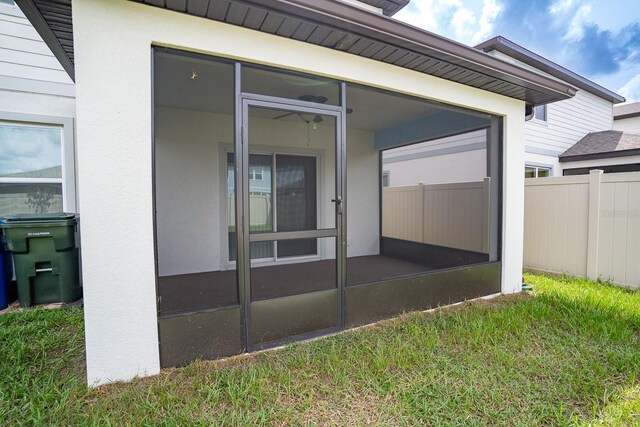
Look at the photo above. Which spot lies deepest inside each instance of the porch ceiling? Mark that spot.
(335, 25)
(211, 93)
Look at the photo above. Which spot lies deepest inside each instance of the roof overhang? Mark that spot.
(626, 111)
(52, 20)
(597, 156)
(626, 116)
(603, 145)
(339, 26)
(389, 7)
(518, 52)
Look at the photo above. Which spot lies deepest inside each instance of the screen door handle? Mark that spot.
(338, 202)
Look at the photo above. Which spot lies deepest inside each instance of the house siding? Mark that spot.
(567, 122)
(26, 63)
(631, 124)
(430, 162)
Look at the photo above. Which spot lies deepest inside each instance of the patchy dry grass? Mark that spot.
(568, 354)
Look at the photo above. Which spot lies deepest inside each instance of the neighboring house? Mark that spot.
(430, 162)
(627, 117)
(553, 133)
(557, 127)
(37, 110)
(188, 113)
(610, 151)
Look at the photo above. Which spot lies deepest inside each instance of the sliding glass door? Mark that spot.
(283, 196)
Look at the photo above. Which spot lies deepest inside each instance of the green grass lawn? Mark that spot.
(567, 354)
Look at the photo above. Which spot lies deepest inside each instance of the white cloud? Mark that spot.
(463, 21)
(420, 13)
(490, 11)
(561, 7)
(576, 26)
(631, 90)
(456, 19)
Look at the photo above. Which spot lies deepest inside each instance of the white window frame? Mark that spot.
(386, 174)
(537, 169)
(67, 155)
(545, 111)
(256, 174)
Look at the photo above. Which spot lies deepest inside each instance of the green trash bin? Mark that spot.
(45, 256)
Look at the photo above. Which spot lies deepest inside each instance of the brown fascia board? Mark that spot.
(32, 12)
(389, 7)
(626, 116)
(520, 53)
(345, 17)
(348, 18)
(597, 156)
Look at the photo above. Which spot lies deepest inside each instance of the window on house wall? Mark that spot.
(31, 177)
(386, 178)
(536, 171)
(256, 174)
(540, 113)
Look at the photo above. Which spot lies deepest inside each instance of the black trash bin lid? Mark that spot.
(36, 217)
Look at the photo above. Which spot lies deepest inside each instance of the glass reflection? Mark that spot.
(30, 152)
(30, 198)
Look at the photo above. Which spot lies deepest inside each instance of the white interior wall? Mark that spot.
(363, 196)
(187, 189)
(114, 99)
(191, 185)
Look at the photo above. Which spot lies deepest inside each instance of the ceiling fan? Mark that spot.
(308, 117)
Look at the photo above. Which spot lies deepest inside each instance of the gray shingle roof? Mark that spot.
(626, 111)
(598, 145)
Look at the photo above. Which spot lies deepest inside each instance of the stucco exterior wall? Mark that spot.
(113, 42)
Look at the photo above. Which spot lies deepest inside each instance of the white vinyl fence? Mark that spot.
(260, 212)
(585, 225)
(455, 215)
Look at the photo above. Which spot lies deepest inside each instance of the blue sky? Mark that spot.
(598, 39)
